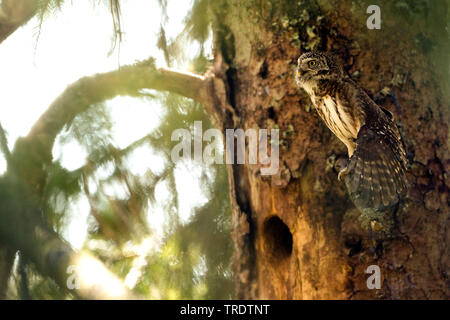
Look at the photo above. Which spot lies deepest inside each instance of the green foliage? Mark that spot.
(197, 29)
(192, 260)
(61, 188)
(48, 7)
(199, 20)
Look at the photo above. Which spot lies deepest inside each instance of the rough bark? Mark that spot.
(297, 235)
(14, 14)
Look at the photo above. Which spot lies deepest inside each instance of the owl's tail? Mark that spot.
(376, 176)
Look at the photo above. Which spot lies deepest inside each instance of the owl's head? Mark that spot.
(315, 66)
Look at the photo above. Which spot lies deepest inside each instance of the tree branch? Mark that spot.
(35, 151)
(14, 14)
(125, 81)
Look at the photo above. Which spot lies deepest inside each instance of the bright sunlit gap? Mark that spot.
(91, 275)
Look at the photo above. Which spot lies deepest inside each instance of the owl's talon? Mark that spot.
(342, 174)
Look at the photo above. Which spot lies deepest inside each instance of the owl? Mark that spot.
(375, 173)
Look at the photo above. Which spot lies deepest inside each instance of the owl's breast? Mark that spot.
(339, 119)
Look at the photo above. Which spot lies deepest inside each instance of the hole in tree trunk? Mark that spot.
(271, 113)
(277, 238)
(264, 70)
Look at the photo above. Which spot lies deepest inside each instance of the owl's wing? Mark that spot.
(376, 171)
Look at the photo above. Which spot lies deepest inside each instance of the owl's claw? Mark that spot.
(342, 174)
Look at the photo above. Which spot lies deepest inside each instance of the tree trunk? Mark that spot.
(297, 235)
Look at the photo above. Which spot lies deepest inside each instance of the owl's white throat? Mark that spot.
(309, 88)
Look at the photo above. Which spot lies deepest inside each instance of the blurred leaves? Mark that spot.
(62, 187)
(192, 259)
(91, 129)
(176, 259)
(199, 20)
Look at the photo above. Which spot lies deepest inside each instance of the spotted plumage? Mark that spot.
(375, 174)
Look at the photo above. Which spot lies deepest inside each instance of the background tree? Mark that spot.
(297, 228)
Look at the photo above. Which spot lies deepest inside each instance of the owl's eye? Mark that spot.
(312, 63)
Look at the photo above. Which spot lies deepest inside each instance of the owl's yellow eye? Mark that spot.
(312, 63)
